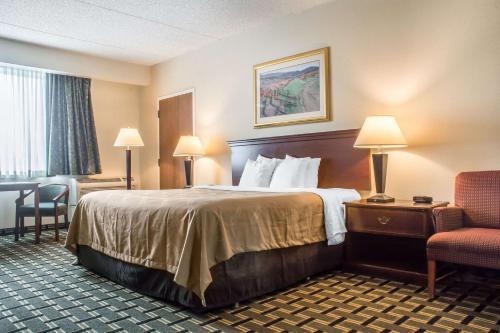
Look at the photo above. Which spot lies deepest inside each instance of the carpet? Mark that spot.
(41, 291)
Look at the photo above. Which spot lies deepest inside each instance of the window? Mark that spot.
(22, 122)
(46, 124)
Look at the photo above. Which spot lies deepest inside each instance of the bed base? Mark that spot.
(240, 278)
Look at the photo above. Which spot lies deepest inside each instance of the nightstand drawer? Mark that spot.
(388, 222)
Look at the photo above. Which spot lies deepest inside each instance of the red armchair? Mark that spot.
(468, 234)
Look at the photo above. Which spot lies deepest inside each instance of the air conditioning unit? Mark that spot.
(82, 186)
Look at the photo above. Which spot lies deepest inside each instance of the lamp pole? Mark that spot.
(128, 158)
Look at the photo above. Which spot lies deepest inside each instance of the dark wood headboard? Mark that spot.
(341, 164)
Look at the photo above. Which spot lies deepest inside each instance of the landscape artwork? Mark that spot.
(292, 90)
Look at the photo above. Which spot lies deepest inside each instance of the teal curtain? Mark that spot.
(71, 135)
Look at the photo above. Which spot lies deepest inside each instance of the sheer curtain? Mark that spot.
(22, 123)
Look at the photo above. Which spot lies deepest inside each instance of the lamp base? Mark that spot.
(380, 170)
(188, 169)
(380, 198)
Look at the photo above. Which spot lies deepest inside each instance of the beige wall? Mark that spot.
(25, 54)
(435, 65)
(115, 106)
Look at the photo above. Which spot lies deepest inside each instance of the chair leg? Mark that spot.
(56, 227)
(21, 218)
(16, 228)
(431, 278)
(66, 221)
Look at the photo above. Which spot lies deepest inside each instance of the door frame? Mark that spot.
(193, 111)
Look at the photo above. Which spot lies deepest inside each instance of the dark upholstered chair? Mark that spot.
(53, 202)
(468, 234)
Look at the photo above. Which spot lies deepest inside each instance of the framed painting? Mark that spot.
(292, 90)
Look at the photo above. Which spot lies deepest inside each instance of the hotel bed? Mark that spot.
(209, 247)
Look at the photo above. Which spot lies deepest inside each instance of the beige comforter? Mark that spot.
(186, 232)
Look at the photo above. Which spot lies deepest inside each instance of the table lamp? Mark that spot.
(380, 132)
(189, 147)
(128, 137)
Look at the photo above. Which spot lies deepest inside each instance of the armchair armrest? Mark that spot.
(447, 218)
(23, 196)
(62, 194)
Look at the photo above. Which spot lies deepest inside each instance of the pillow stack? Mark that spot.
(290, 172)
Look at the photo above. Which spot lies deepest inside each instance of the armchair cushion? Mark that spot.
(46, 209)
(467, 246)
(478, 194)
(447, 218)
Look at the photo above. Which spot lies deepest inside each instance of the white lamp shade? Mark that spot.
(128, 137)
(380, 132)
(189, 146)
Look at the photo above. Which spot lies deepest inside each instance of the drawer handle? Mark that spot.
(383, 219)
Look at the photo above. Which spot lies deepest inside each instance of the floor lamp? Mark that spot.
(380, 132)
(189, 147)
(128, 137)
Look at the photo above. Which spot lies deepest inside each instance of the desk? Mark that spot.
(21, 187)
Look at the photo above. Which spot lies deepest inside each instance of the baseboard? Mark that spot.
(31, 228)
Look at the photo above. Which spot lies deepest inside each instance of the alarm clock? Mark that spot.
(422, 199)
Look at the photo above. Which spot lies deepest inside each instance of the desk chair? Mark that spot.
(53, 202)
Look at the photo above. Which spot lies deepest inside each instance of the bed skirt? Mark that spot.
(244, 276)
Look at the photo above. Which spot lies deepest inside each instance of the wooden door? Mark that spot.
(176, 119)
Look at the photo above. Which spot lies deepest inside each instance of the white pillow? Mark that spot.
(303, 169)
(269, 163)
(309, 171)
(312, 173)
(276, 161)
(289, 173)
(257, 173)
(264, 159)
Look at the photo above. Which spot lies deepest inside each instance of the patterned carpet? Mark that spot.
(41, 291)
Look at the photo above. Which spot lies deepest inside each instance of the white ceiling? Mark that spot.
(138, 31)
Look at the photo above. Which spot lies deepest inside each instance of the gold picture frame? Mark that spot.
(288, 91)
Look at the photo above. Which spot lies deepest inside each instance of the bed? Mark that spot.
(210, 247)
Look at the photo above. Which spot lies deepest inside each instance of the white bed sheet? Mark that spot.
(333, 199)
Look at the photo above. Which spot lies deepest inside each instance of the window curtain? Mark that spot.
(71, 135)
(22, 123)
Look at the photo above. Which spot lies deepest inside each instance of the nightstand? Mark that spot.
(389, 239)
